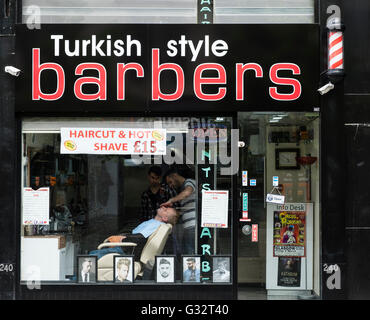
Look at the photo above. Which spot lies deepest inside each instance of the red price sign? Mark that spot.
(145, 147)
(113, 141)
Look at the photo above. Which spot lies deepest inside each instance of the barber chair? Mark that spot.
(154, 246)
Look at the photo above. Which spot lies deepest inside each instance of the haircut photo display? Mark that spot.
(165, 271)
(86, 269)
(123, 269)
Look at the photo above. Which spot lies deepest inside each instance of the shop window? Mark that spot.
(90, 216)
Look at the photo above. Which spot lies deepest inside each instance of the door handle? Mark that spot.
(239, 205)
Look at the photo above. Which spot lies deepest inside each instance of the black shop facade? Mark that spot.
(230, 110)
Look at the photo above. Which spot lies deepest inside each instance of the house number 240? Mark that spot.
(6, 267)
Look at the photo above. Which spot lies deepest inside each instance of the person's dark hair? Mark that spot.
(156, 170)
(171, 171)
(182, 170)
(164, 261)
(190, 259)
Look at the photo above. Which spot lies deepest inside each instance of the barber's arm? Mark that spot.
(181, 196)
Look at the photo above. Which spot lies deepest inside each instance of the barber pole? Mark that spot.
(335, 50)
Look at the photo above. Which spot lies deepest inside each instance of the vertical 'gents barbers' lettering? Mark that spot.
(209, 79)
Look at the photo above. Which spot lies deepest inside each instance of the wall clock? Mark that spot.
(286, 159)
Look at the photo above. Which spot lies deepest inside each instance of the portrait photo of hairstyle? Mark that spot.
(123, 269)
(221, 269)
(190, 268)
(86, 272)
(165, 269)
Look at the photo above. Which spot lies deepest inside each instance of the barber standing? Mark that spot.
(185, 188)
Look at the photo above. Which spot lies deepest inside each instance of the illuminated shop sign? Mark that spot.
(152, 67)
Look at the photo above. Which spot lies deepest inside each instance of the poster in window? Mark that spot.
(289, 272)
(35, 206)
(123, 141)
(289, 233)
(215, 208)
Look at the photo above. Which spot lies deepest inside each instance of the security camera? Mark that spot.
(325, 89)
(12, 70)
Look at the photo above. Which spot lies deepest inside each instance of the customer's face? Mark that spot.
(164, 270)
(167, 214)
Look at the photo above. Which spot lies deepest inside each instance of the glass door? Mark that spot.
(251, 181)
(280, 147)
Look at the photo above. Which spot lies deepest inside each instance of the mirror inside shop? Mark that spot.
(128, 216)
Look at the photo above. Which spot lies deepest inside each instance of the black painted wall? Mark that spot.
(357, 111)
(346, 158)
(358, 212)
(333, 175)
(8, 241)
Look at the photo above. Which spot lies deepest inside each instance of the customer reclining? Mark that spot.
(140, 234)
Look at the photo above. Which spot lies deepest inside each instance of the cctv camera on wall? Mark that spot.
(12, 70)
(325, 89)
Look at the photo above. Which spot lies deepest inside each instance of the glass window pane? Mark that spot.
(111, 11)
(264, 11)
(95, 196)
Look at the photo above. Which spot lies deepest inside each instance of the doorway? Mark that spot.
(273, 144)
(251, 181)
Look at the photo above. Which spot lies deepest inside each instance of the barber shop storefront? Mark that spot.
(167, 161)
